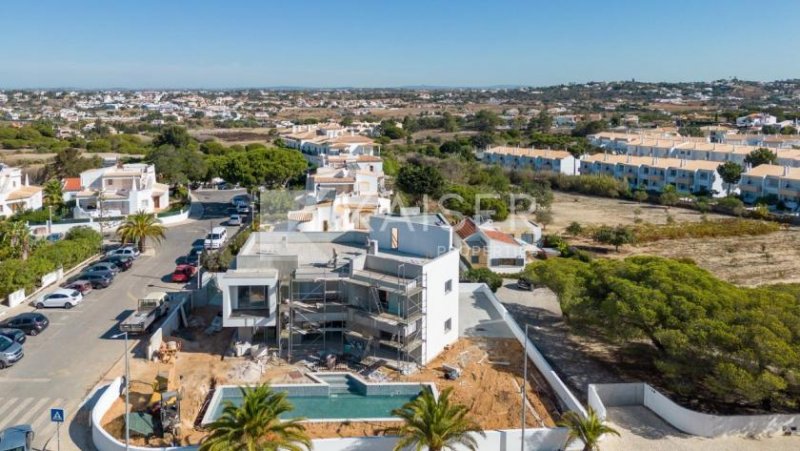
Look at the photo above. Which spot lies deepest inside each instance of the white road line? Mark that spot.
(44, 417)
(20, 408)
(32, 411)
(25, 379)
(6, 405)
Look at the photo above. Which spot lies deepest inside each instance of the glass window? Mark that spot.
(448, 325)
(252, 297)
(448, 286)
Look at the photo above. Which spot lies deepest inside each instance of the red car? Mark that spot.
(183, 273)
(83, 286)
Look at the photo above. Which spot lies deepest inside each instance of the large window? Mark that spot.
(253, 297)
(448, 286)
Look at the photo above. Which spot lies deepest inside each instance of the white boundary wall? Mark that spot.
(602, 396)
(175, 219)
(562, 391)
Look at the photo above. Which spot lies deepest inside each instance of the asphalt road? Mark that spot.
(65, 362)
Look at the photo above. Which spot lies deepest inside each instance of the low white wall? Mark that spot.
(167, 327)
(175, 219)
(16, 298)
(689, 421)
(562, 391)
(102, 440)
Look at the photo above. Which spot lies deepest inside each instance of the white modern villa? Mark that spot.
(119, 190)
(389, 293)
(16, 193)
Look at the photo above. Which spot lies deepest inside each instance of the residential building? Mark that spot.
(765, 180)
(318, 142)
(482, 246)
(120, 190)
(16, 193)
(756, 120)
(389, 293)
(559, 161)
(654, 173)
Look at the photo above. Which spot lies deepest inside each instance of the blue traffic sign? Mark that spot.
(57, 415)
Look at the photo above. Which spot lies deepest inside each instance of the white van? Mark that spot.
(216, 238)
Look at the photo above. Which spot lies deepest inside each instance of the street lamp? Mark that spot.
(127, 390)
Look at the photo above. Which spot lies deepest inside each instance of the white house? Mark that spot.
(559, 161)
(485, 247)
(390, 293)
(756, 120)
(17, 194)
(120, 190)
(318, 142)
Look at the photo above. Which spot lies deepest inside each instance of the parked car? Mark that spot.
(183, 273)
(239, 198)
(194, 255)
(216, 238)
(525, 284)
(235, 220)
(122, 262)
(243, 208)
(10, 353)
(13, 334)
(104, 266)
(62, 297)
(31, 323)
(17, 438)
(82, 285)
(125, 251)
(98, 279)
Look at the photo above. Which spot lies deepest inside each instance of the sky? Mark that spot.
(378, 43)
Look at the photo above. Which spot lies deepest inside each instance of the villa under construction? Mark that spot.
(390, 293)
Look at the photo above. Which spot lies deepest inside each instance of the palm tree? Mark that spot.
(53, 194)
(16, 236)
(254, 425)
(140, 226)
(588, 430)
(436, 424)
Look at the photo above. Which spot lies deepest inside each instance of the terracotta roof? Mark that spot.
(772, 170)
(72, 184)
(369, 159)
(300, 215)
(500, 236)
(529, 152)
(23, 192)
(334, 179)
(466, 228)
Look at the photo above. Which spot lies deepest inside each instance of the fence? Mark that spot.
(568, 400)
(602, 396)
(172, 322)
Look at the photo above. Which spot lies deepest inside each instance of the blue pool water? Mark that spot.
(338, 396)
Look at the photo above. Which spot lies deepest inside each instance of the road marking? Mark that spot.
(25, 379)
(8, 420)
(11, 402)
(32, 411)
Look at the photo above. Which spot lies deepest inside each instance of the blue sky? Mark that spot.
(218, 44)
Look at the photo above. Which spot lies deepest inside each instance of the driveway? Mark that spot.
(540, 309)
(64, 363)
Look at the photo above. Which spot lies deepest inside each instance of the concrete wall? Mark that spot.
(16, 298)
(441, 305)
(565, 396)
(602, 396)
(168, 326)
(175, 219)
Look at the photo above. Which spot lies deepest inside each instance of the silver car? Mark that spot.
(63, 297)
(17, 438)
(10, 353)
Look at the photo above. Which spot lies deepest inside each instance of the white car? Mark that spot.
(125, 251)
(63, 297)
(235, 220)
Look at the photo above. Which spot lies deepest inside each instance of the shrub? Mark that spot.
(704, 229)
(483, 275)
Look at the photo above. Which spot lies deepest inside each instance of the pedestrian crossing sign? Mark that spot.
(57, 415)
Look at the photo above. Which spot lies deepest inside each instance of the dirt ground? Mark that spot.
(489, 387)
(746, 261)
(588, 210)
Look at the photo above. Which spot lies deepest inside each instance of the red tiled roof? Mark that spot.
(466, 228)
(500, 236)
(72, 184)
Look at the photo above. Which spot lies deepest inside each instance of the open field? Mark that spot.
(748, 261)
(230, 136)
(489, 385)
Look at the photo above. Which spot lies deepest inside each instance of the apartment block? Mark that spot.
(558, 161)
(767, 179)
(389, 293)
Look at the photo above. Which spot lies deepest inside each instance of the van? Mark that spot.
(216, 238)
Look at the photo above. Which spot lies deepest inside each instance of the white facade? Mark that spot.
(17, 194)
(120, 190)
(558, 161)
(756, 120)
(765, 180)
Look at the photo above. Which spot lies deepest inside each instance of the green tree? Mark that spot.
(53, 194)
(731, 173)
(669, 196)
(69, 163)
(574, 228)
(486, 121)
(615, 236)
(761, 156)
(14, 235)
(589, 128)
(139, 227)
(541, 123)
(449, 122)
(178, 165)
(256, 425)
(420, 180)
(691, 130)
(435, 424)
(172, 135)
(544, 216)
(483, 275)
(588, 430)
(272, 167)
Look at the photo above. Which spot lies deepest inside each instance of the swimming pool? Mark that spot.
(332, 396)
